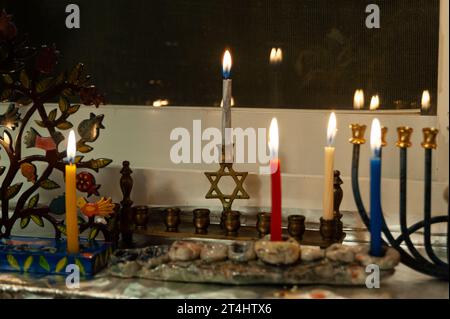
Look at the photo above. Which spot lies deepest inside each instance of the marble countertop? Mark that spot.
(405, 283)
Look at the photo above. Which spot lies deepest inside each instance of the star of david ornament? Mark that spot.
(226, 169)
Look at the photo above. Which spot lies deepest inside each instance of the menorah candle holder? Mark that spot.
(411, 257)
(166, 224)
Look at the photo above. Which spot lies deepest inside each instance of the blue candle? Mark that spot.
(375, 190)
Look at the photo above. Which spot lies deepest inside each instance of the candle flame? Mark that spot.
(332, 129)
(374, 102)
(358, 100)
(273, 138)
(375, 137)
(276, 56)
(71, 147)
(226, 64)
(426, 100)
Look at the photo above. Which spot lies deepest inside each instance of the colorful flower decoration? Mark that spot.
(86, 184)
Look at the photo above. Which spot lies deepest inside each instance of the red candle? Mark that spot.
(275, 220)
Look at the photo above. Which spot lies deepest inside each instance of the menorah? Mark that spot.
(411, 257)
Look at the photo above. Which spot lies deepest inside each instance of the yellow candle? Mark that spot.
(71, 197)
(328, 198)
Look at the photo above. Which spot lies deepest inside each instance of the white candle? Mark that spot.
(328, 197)
(226, 109)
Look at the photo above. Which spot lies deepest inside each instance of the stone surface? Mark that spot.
(278, 252)
(241, 251)
(339, 265)
(339, 252)
(310, 253)
(214, 252)
(184, 251)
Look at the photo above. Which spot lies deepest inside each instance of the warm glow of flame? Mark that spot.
(426, 100)
(231, 103)
(159, 103)
(226, 64)
(71, 147)
(375, 137)
(358, 100)
(374, 103)
(276, 56)
(273, 138)
(332, 129)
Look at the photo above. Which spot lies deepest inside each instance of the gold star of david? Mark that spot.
(226, 169)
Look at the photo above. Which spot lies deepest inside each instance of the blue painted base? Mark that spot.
(49, 256)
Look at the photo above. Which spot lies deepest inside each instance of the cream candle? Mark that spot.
(328, 202)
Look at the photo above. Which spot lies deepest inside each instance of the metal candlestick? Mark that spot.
(413, 258)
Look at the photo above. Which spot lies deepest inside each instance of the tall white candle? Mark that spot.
(226, 109)
(328, 198)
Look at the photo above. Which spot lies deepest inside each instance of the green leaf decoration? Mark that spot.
(64, 125)
(63, 104)
(2, 170)
(68, 92)
(49, 184)
(80, 265)
(52, 115)
(7, 79)
(44, 263)
(12, 261)
(33, 201)
(24, 222)
(61, 264)
(75, 73)
(24, 79)
(73, 109)
(40, 123)
(43, 85)
(13, 190)
(84, 148)
(78, 158)
(37, 220)
(93, 233)
(27, 263)
(62, 229)
(96, 164)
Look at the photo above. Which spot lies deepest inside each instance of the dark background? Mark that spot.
(142, 50)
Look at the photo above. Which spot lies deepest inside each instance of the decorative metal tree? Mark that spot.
(28, 83)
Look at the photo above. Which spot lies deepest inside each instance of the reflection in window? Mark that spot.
(290, 53)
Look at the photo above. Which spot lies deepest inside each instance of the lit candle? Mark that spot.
(226, 109)
(276, 217)
(425, 101)
(375, 190)
(71, 193)
(328, 205)
(374, 103)
(358, 100)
